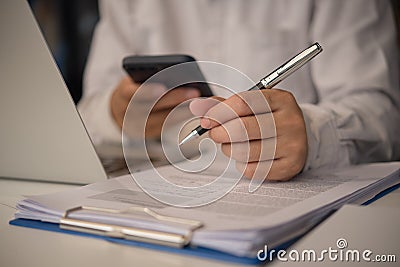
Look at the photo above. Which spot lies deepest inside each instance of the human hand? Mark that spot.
(125, 90)
(250, 130)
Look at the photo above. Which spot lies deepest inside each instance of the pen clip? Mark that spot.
(290, 66)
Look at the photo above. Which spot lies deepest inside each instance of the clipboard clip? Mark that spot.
(131, 233)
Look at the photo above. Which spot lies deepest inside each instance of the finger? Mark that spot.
(175, 97)
(247, 103)
(200, 106)
(282, 169)
(242, 104)
(147, 92)
(257, 150)
(241, 129)
(291, 146)
(127, 87)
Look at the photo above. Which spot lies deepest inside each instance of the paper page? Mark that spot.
(237, 210)
(239, 222)
(240, 209)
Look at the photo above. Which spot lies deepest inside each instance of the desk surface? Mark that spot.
(29, 247)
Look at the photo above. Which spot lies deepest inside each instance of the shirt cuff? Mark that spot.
(324, 146)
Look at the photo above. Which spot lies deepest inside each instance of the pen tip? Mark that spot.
(184, 140)
(181, 142)
(188, 137)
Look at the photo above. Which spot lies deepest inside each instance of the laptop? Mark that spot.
(42, 135)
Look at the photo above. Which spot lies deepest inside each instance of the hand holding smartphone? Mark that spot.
(140, 69)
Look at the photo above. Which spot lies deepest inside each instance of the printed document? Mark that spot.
(240, 222)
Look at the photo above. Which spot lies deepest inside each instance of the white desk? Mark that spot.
(29, 247)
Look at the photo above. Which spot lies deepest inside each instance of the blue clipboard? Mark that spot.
(187, 250)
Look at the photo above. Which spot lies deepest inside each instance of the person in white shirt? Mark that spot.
(342, 108)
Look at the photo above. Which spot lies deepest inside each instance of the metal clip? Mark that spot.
(131, 233)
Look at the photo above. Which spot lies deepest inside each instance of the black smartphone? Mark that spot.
(141, 68)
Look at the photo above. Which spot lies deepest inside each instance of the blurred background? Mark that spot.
(68, 27)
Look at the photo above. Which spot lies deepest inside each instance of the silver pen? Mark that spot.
(271, 79)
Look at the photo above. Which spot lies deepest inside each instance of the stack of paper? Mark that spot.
(240, 223)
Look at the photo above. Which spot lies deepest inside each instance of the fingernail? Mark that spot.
(205, 123)
(192, 93)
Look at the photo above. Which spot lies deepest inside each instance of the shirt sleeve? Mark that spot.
(111, 43)
(357, 116)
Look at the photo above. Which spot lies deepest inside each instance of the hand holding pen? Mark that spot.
(251, 125)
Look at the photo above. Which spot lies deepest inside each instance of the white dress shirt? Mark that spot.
(349, 94)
